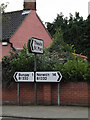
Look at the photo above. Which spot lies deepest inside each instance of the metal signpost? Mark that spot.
(58, 93)
(22, 77)
(36, 46)
(18, 93)
(50, 76)
(35, 84)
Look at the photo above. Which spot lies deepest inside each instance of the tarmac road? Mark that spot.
(10, 118)
(44, 112)
(6, 118)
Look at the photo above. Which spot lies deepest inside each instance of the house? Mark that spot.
(19, 26)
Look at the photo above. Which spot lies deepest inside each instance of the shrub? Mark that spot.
(22, 61)
(75, 70)
(17, 61)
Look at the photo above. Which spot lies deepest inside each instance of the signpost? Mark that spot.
(44, 76)
(24, 76)
(48, 76)
(36, 46)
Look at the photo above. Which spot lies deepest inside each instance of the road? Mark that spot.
(44, 119)
(9, 118)
(44, 113)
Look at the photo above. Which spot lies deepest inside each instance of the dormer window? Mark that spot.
(26, 12)
(4, 43)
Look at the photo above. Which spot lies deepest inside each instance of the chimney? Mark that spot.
(29, 4)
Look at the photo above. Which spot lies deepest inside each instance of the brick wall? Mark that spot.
(70, 93)
(9, 95)
(74, 93)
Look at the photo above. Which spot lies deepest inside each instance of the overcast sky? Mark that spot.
(48, 9)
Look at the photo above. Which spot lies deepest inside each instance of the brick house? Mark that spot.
(19, 26)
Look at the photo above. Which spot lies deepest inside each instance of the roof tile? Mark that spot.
(10, 23)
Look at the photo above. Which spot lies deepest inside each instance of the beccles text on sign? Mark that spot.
(35, 45)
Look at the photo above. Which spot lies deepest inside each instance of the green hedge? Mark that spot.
(74, 69)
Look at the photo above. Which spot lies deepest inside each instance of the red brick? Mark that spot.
(47, 93)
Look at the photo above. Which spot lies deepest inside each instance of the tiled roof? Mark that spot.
(10, 23)
(82, 56)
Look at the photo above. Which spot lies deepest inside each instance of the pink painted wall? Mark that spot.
(31, 27)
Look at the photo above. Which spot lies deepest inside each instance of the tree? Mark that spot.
(3, 7)
(63, 49)
(76, 31)
(87, 50)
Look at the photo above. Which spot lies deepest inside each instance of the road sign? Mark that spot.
(24, 76)
(35, 45)
(49, 76)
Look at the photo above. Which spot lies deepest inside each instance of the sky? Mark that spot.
(48, 9)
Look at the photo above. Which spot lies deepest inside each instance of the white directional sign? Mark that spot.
(24, 76)
(47, 76)
(50, 76)
(36, 45)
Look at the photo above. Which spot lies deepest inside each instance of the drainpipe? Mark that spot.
(12, 45)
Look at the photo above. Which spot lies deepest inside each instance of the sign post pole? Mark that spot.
(35, 84)
(18, 93)
(58, 94)
(35, 46)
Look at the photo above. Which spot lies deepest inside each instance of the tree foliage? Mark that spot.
(58, 45)
(22, 61)
(3, 6)
(76, 31)
(74, 69)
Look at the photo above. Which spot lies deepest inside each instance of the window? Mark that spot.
(4, 43)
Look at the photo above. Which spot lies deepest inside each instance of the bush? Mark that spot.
(17, 61)
(47, 61)
(75, 70)
(22, 61)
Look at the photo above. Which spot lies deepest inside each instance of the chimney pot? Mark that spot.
(29, 4)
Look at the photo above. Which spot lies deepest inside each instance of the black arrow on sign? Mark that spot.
(59, 76)
(16, 77)
(32, 44)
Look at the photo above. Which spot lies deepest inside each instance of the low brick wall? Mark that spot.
(71, 93)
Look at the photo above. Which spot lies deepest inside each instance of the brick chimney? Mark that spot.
(29, 4)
